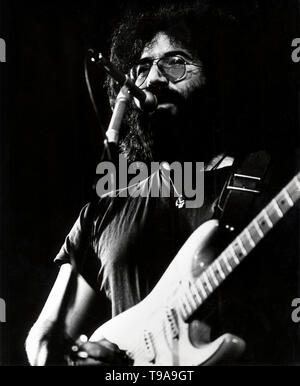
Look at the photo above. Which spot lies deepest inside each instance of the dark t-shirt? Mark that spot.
(124, 245)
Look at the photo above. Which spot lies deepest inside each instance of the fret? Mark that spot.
(283, 202)
(186, 303)
(241, 245)
(277, 208)
(193, 298)
(237, 249)
(263, 224)
(267, 218)
(200, 286)
(190, 299)
(182, 309)
(195, 293)
(288, 198)
(297, 182)
(272, 214)
(212, 274)
(257, 227)
(245, 244)
(223, 259)
(206, 282)
(294, 189)
(256, 237)
(216, 272)
(251, 241)
(236, 259)
(219, 269)
(230, 258)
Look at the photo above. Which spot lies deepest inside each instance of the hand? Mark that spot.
(100, 353)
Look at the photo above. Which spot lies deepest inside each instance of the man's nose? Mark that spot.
(156, 78)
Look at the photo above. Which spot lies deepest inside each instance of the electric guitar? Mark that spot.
(156, 331)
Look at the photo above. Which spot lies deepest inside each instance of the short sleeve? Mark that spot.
(76, 238)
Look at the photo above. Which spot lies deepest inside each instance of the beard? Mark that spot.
(186, 135)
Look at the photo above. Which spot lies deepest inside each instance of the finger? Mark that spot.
(104, 351)
(110, 346)
(96, 350)
(88, 362)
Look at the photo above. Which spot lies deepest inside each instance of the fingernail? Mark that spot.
(83, 338)
(75, 348)
(82, 354)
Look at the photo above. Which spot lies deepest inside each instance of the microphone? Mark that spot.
(147, 100)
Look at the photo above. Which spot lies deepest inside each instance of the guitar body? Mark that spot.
(155, 332)
(160, 330)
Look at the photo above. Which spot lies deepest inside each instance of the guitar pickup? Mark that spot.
(172, 322)
(149, 346)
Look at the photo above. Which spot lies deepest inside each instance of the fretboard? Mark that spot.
(195, 292)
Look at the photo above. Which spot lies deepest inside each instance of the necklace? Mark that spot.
(180, 202)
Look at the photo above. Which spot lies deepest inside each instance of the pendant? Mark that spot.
(180, 202)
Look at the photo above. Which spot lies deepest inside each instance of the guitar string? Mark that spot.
(138, 350)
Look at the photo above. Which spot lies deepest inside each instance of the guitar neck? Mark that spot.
(198, 291)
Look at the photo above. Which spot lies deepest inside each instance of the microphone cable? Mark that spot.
(92, 99)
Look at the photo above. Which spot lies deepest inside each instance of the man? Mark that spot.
(122, 246)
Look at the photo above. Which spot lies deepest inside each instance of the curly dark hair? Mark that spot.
(196, 25)
(241, 59)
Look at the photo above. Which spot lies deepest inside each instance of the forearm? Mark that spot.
(43, 330)
(36, 344)
(71, 309)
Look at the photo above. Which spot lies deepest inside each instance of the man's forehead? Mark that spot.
(160, 45)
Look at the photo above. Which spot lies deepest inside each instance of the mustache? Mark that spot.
(167, 96)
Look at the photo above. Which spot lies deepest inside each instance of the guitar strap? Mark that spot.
(241, 190)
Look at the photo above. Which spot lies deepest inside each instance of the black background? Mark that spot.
(50, 141)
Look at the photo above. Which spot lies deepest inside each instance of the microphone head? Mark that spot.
(149, 104)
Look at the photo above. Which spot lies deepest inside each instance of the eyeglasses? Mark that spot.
(173, 67)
